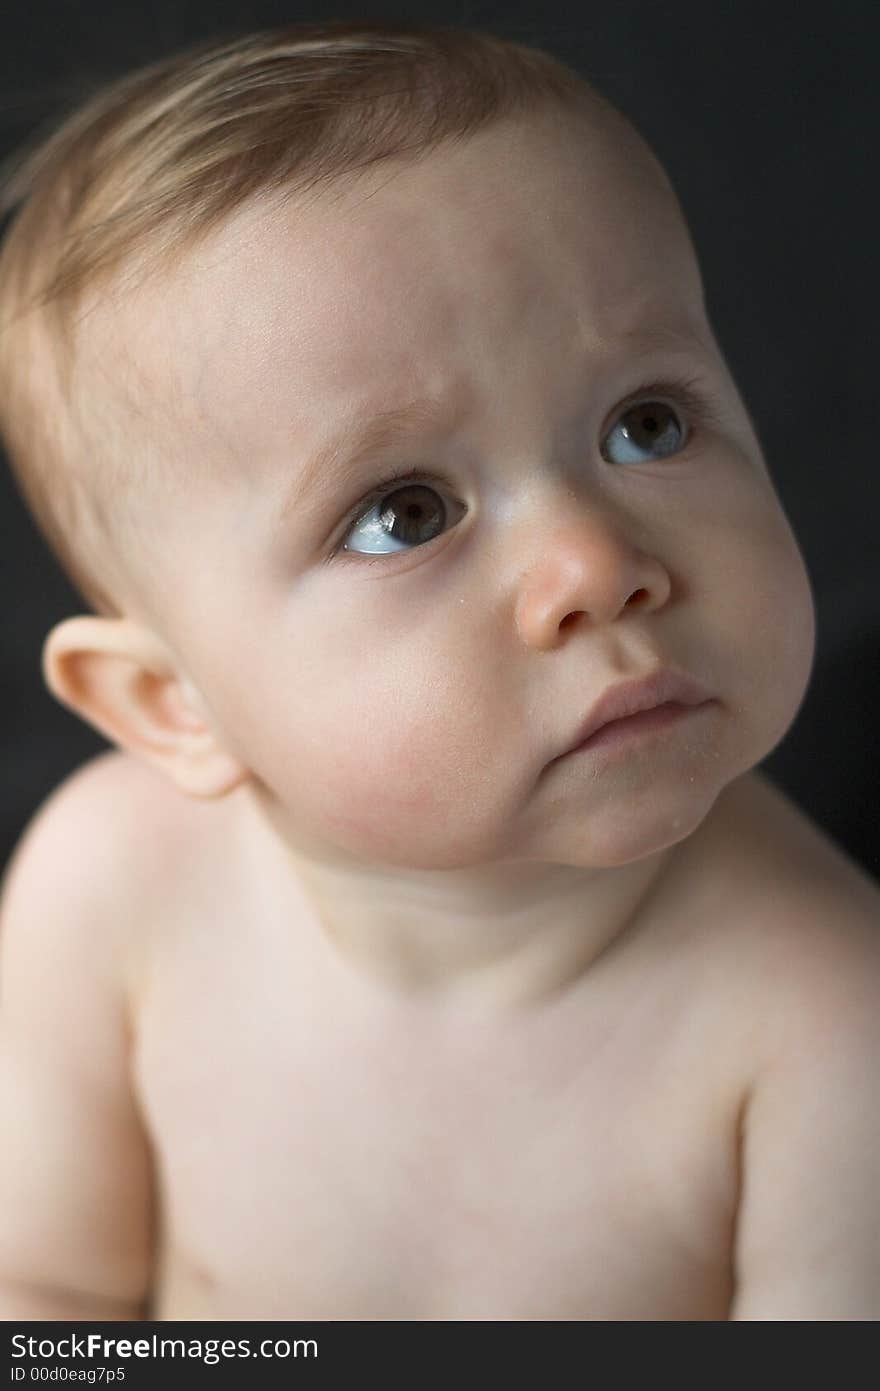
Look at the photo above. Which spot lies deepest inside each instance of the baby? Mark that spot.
(428, 945)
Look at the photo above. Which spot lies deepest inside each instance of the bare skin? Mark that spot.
(290, 1140)
(424, 1018)
(422, 1165)
(328, 1149)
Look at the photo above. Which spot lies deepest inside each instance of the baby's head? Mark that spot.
(375, 411)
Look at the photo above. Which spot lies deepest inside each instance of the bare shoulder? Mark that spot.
(784, 861)
(802, 966)
(795, 921)
(766, 816)
(107, 841)
(107, 815)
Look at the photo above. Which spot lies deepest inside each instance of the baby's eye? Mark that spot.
(407, 516)
(647, 426)
(415, 512)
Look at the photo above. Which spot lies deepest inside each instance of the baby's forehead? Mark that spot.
(378, 279)
(397, 214)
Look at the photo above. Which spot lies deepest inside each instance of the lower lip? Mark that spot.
(647, 721)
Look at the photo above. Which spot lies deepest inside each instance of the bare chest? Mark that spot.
(314, 1164)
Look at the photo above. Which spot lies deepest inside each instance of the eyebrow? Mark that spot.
(364, 435)
(373, 430)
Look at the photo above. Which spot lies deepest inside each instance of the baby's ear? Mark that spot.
(119, 677)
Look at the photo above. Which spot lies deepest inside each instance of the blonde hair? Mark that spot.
(148, 164)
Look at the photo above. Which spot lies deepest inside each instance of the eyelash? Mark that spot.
(686, 391)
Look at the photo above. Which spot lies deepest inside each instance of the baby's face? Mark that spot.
(400, 664)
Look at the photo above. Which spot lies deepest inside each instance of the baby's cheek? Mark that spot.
(782, 606)
(408, 783)
(769, 614)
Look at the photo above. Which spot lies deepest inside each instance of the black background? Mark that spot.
(766, 117)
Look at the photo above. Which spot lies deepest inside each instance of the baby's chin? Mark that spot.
(620, 830)
(622, 833)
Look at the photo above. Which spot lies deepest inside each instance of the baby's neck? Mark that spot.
(490, 940)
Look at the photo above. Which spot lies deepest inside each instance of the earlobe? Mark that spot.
(120, 678)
